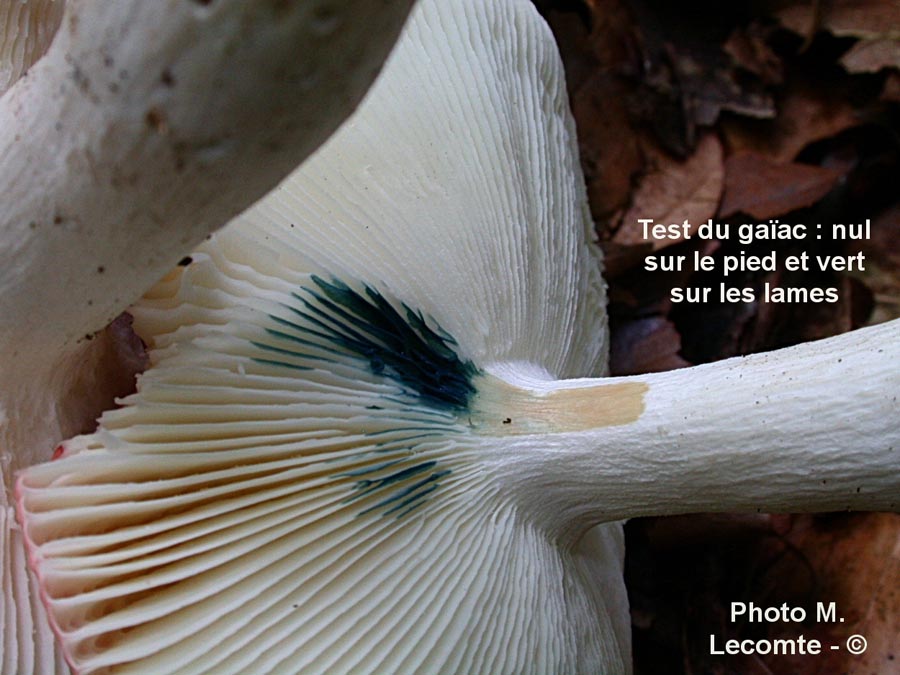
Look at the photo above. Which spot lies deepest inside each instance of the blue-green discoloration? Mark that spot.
(401, 495)
(401, 346)
(332, 322)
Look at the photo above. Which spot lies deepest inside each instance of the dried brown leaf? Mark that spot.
(596, 54)
(706, 81)
(855, 562)
(749, 49)
(648, 345)
(846, 18)
(761, 188)
(619, 259)
(870, 56)
(688, 79)
(674, 191)
(806, 114)
(610, 152)
(891, 89)
(882, 274)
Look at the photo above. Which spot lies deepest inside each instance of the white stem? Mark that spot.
(810, 428)
(149, 124)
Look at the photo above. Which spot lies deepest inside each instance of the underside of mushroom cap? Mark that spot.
(26, 643)
(295, 487)
(288, 486)
(26, 30)
(457, 189)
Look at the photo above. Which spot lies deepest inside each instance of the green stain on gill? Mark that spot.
(402, 347)
(368, 485)
(328, 322)
(413, 501)
(278, 350)
(282, 364)
(400, 494)
(370, 469)
(412, 492)
(394, 430)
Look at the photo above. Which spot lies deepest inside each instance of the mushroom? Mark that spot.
(375, 436)
(142, 128)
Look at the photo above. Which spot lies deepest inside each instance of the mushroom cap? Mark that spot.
(298, 479)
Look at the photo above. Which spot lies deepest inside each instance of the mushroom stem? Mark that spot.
(814, 427)
(148, 125)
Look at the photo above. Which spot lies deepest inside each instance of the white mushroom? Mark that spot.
(359, 449)
(145, 126)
